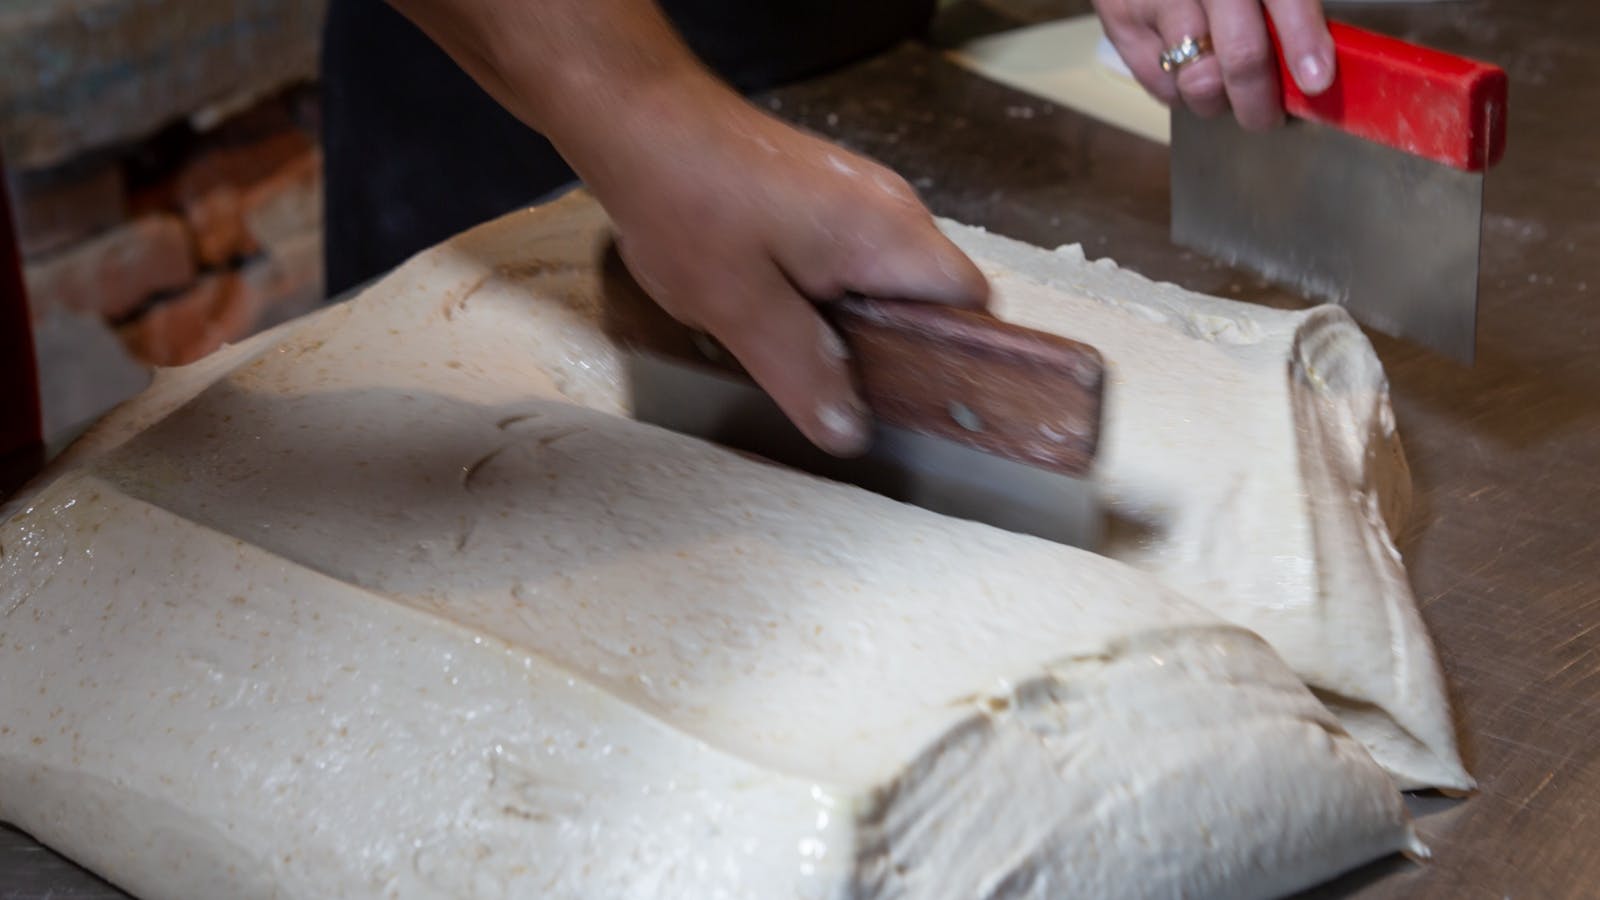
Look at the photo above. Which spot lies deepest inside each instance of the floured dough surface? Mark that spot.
(395, 601)
(1252, 461)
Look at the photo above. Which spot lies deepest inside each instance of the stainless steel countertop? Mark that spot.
(1504, 546)
(31, 872)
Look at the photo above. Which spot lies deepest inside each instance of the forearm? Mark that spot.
(575, 70)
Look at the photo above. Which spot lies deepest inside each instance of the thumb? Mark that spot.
(911, 259)
(884, 243)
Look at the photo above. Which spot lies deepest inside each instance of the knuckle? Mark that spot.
(727, 313)
(698, 300)
(892, 186)
(656, 281)
(1244, 58)
(1197, 82)
(1158, 84)
(1256, 121)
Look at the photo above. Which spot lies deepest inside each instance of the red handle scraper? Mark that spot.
(1371, 196)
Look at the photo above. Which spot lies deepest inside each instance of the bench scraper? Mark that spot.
(1371, 196)
(974, 417)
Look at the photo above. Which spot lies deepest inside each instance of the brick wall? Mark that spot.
(164, 175)
(185, 240)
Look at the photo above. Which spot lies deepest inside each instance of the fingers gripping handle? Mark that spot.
(1428, 103)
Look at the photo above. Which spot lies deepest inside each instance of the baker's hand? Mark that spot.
(736, 223)
(1240, 71)
(733, 221)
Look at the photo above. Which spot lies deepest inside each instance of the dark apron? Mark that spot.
(415, 152)
(20, 437)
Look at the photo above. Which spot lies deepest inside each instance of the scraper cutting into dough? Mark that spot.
(732, 220)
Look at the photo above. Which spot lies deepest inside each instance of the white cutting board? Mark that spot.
(1071, 63)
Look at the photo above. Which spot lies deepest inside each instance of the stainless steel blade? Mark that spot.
(1392, 237)
(929, 472)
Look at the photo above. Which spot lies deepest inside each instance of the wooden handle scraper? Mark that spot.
(968, 377)
(975, 418)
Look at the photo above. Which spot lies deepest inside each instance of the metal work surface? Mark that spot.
(31, 872)
(1504, 543)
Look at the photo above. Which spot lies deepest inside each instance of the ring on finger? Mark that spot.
(1187, 51)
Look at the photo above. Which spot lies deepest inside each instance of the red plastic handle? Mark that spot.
(1446, 108)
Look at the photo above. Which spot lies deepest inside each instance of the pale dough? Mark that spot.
(392, 602)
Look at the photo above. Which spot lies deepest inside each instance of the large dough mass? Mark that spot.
(395, 601)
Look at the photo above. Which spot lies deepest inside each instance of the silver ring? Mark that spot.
(1188, 50)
